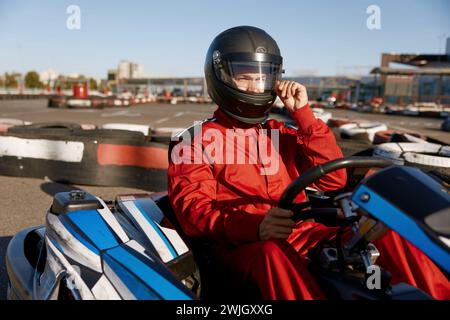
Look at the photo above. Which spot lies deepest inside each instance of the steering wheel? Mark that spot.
(313, 174)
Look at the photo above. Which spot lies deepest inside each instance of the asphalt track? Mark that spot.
(24, 201)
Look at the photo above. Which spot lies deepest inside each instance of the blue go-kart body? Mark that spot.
(128, 249)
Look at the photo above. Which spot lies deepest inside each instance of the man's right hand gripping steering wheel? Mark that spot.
(277, 224)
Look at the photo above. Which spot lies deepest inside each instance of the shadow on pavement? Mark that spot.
(52, 188)
(3, 276)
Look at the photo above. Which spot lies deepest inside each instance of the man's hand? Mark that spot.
(277, 224)
(292, 94)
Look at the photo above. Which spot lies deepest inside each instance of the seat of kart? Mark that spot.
(213, 277)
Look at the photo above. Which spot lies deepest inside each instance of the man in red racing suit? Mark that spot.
(233, 204)
(227, 204)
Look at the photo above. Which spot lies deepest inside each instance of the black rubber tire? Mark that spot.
(443, 176)
(54, 125)
(441, 171)
(161, 139)
(116, 134)
(57, 102)
(356, 137)
(45, 129)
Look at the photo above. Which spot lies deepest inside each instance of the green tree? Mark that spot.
(32, 80)
(11, 80)
(93, 84)
(62, 81)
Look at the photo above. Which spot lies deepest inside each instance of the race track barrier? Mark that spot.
(88, 157)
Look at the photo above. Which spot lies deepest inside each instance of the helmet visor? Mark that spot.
(249, 76)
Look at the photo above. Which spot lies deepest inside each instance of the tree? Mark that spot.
(2, 82)
(62, 81)
(11, 80)
(32, 80)
(93, 84)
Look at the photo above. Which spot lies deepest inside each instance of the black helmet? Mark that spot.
(238, 58)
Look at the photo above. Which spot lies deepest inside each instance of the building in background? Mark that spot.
(415, 78)
(129, 70)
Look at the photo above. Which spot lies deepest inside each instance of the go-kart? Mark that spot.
(133, 247)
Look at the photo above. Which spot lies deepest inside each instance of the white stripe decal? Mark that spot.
(117, 283)
(81, 286)
(112, 221)
(104, 290)
(175, 240)
(136, 246)
(68, 151)
(72, 247)
(150, 232)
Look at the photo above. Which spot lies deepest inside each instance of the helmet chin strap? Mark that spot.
(244, 119)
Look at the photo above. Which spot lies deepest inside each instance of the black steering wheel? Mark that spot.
(313, 174)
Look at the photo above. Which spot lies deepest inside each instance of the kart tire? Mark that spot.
(361, 131)
(79, 103)
(114, 134)
(445, 177)
(57, 102)
(161, 139)
(6, 124)
(337, 122)
(45, 129)
(144, 129)
(423, 155)
(98, 103)
(395, 136)
(164, 135)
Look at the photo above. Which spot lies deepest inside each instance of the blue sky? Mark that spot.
(170, 37)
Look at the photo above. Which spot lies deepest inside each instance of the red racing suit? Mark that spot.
(226, 202)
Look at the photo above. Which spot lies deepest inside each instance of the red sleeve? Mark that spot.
(192, 194)
(317, 145)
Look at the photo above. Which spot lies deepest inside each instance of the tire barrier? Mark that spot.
(320, 113)
(91, 102)
(79, 103)
(102, 157)
(396, 136)
(361, 131)
(424, 155)
(120, 135)
(57, 102)
(6, 124)
(160, 135)
(98, 102)
(337, 122)
(445, 126)
(88, 126)
(164, 134)
(45, 128)
(145, 129)
(24, 96)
